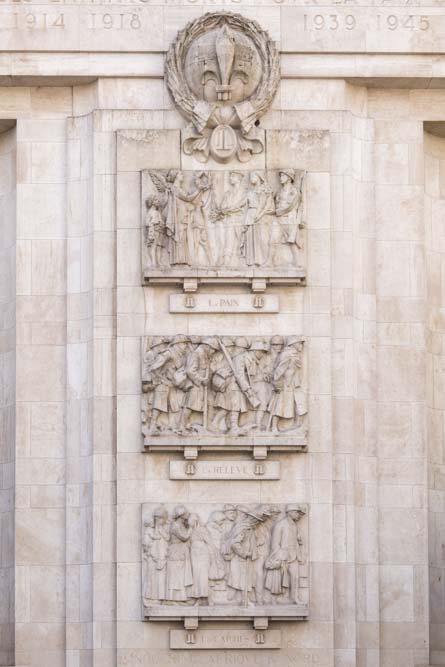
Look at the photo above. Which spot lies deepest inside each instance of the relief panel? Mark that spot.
(231, 225)
(224, 561)
(232, 392)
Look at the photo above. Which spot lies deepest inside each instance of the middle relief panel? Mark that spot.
(223, 224)
(236, 392)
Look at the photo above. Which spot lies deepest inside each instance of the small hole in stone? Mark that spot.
(257, 123)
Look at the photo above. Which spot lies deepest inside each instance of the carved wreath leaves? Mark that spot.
(198, 110)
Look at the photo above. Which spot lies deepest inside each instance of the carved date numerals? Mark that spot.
(332, 21)
(37, 21)
(403, 22)
(107, 21)
(329, 22)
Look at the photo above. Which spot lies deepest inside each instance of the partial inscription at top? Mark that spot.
(223, 71)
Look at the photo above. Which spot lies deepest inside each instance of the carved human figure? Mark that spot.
(265, 391)
(260, 377)
(200, 546)
(179, 569)
(197, 371)
(155, 238)
(149, 379)
(168, 377)
(216, 528)
(286, 555)
(235, 393)
(154, 550)
(241, 552)
(200, 251)
(178, 217)
(206, 562)
(230, 516)
(287, 401)
(255, 238)
(269, 514)
(288, 210)
(230, 216)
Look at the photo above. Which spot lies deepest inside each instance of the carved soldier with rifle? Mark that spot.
(232, 381)
(167, 372)
(197, 371)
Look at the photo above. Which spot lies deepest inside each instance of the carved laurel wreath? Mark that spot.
(177, 84)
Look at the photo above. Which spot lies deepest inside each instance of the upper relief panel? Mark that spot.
(223, 71)
(230, 224)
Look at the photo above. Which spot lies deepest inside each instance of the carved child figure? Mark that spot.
(155, 238)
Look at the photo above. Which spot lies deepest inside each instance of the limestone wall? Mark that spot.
(434, 164)
(7, 393)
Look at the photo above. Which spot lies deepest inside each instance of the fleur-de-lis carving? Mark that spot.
(225, 48)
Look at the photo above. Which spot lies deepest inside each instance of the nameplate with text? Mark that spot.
(225, 639)
(256, 470)
(224, 303)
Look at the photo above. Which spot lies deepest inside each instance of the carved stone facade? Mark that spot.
(211, 560)
(224, 391)
(224, 224)
(105, 104)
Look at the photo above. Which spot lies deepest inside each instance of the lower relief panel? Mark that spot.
(213, 561)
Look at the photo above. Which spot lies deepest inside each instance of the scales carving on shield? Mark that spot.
(223, 71)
